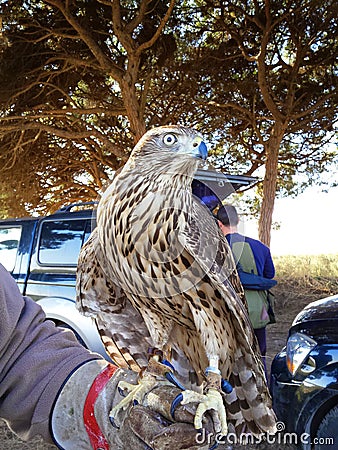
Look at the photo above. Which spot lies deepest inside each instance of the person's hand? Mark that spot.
(153, 424)
(80, 419)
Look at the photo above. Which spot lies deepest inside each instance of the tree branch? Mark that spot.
(101, 57)
(159, 30)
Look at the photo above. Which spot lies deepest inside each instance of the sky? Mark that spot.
(308, 224)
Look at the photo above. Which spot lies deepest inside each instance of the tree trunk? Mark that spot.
(133, 108)
(270, 183)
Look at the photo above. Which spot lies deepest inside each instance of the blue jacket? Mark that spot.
(262, 255)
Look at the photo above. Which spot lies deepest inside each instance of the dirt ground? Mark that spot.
(290, 298)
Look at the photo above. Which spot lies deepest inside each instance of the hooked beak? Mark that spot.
(202, 151)
(196, 149)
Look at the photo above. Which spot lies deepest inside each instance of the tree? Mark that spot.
(268, 71)
(77, 102)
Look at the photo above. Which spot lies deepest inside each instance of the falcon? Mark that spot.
(157, 273)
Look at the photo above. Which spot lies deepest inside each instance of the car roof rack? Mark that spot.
(79, 206)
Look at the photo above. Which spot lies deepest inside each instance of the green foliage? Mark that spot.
(299, 76)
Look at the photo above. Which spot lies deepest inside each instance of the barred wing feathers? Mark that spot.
(250, 399)
(121, 327)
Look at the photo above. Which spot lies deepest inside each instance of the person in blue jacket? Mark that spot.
(255, 268)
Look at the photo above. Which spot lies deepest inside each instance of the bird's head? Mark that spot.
(171, 141)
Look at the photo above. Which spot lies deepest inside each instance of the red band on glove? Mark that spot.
(96, 437)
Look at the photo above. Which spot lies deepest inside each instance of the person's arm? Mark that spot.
(269, 267)
(35, 360)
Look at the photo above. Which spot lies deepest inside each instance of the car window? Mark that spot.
(60, 242)
(88, 231)
(9, 243)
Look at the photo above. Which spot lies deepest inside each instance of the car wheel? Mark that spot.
(67, 327)
(327, 432)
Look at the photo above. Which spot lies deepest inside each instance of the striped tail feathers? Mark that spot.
(250, 402)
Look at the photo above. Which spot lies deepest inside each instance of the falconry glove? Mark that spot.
(80, 418)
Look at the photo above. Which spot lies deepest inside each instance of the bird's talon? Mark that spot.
(168, 364)
(192, 397)
(177, 400)
(112, 421)
(170, 377)
(121, 391)
(135, 394)
(125, 387)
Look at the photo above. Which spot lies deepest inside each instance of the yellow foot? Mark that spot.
(135, 393)
(210, 401)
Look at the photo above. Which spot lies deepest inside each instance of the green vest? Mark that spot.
(257, 300)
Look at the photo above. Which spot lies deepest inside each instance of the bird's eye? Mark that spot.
(169, 139)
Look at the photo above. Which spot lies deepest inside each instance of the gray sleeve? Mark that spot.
(35, 360)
